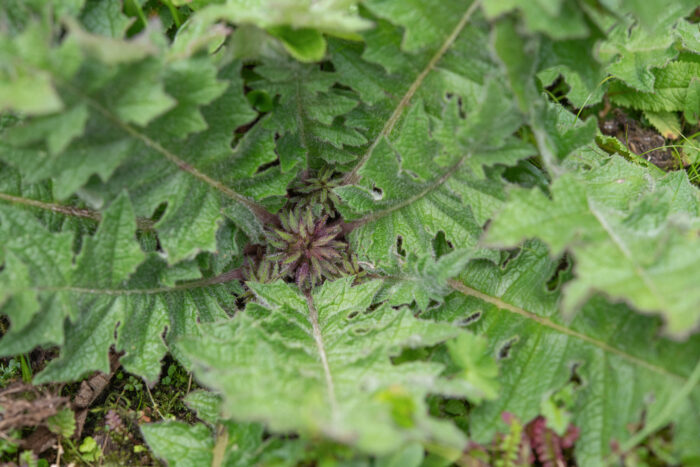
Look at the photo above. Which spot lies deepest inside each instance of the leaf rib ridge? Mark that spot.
(55, 207)
(318, 339)
(466, 290)
(259, 211)
(407, 202)
(352, 176)
(625, 251)
(142, 223)
(199, 284)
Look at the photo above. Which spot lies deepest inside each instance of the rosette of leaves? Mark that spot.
(307, 249)
(317, 190)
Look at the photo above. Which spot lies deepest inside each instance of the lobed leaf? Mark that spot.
(632, 237)
(325, 361)
(620, 369)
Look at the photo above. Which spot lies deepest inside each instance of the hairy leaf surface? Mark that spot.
(633, 236)
(619, 367)
(325, 361)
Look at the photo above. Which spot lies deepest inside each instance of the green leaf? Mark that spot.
(107, 259)
(298, 25)
(605, 347)
(630, 235)
(424, 25)
(392, 205)
(671, 87)
(574, 61)
(478, 367)
(142, 99)
(516, 56)
(667, 123)
(233, 444)
(425, 279)
(205, 404)
(691, 111)
(306, 45)
(180, 444)
(109, 98)
(112, 254)
(560, 19)
(40, 258)
(26, 85)
(637, 49)
(325, 360)
(63, 423)
(42, 286)
(104, 18)
(306, 119)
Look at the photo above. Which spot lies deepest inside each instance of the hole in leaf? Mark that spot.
(508, 256)
(399, 246)
(558, 90)
(441, 245)
(411, 174)
(352, 315)
(575, 378)
(504, 351)
(266, 166)
(327, 66)
(371, 308)
(377, 193)
(474, 317)
(560, 275)
(159, 211)
(460, 106)
(360, 331)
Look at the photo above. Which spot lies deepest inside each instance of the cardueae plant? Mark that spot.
(379, 232)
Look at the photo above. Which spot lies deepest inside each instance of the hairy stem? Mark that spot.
(142, 223)
(228, 276)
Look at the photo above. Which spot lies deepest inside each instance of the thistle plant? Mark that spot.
(306, 248)
(451, 145)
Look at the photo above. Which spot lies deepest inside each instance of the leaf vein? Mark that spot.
(501, 304)
(352, 176)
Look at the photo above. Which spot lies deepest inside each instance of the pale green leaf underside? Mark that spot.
(670, 92)
(630, 236)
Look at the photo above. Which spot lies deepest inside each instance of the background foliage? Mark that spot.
(495, 280)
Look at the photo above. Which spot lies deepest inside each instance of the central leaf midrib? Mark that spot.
(503, 305)
(167, 154)
(318, 339)
(639, 271)
(234, 274)
(352, 176)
